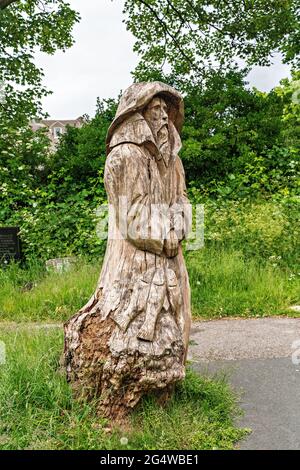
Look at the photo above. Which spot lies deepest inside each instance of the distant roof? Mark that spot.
(64, 122)
(37, 125)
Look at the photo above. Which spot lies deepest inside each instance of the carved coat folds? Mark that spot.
(132, 336)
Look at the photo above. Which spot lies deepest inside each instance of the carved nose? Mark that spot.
(164, 116)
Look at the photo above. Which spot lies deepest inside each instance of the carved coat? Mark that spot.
(139, 316)
(139, 286)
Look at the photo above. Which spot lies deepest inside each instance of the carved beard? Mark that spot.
(163, 143)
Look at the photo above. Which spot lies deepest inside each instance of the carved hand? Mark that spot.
(171, 244)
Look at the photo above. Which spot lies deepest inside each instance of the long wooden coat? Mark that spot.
(139, 286)
(132, 335)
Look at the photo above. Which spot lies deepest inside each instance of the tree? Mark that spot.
(5, 3)
(191, 37)
(205, 48)
(289, 91)
(81, 151)
(227, 124)
(25, 27)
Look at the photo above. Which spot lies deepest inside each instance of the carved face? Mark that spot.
(156, 114)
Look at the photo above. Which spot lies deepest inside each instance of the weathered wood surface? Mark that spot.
(131, 338)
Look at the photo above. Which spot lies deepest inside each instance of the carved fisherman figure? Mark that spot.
(131, 338)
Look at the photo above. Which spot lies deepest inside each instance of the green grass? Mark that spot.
(52, 296)
(226, 283)
(223, 283)
(37, 410)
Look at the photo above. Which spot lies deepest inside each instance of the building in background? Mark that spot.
(56, 127)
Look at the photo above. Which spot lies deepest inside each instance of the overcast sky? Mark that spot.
(101, 59)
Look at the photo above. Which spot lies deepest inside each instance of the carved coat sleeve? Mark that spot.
(181, 211)
(127, 182)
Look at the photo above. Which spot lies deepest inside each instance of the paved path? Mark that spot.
(256, 357)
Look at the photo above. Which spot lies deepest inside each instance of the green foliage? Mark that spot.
(189, 37)
(234, 148)
(238, 145)
(38, 412)
(23, 155)
(248, 267)
(33, 295)
(225, 282)
(81, 152)
(237, 142)
(241, 143)
(241, 155)
(289, 91)
(52, 228)
(25, 27)
(263, 229)
(226, 127)
(54, 197)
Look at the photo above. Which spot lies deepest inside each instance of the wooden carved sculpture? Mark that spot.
(131, 338)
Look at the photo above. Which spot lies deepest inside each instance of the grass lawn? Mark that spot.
(226, 283)
(223, 283)
(36, 407)
(37, 410)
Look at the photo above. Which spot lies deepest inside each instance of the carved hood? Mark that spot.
(129, 123)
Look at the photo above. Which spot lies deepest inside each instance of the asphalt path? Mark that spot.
(260, 358)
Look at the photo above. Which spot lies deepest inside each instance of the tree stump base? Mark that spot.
(117, 368)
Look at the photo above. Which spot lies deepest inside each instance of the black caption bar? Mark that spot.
(134, 459)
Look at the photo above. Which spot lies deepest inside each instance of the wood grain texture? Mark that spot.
(131, 338)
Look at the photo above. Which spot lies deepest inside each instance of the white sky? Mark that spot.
(100, 62)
